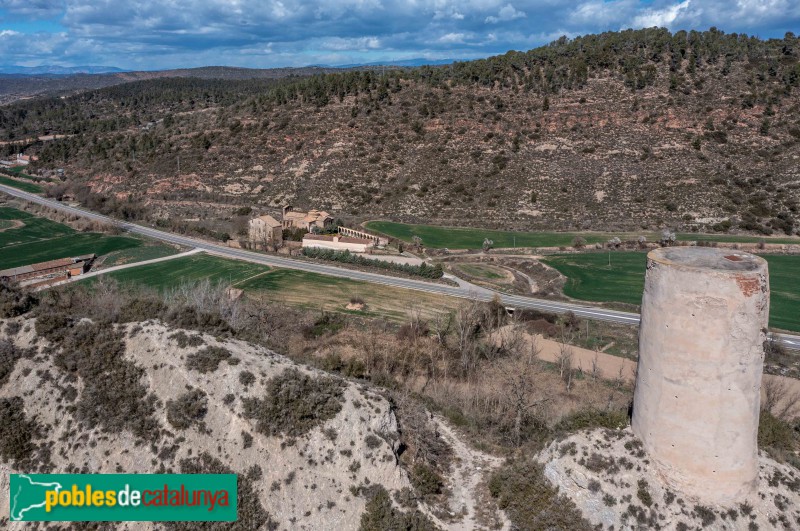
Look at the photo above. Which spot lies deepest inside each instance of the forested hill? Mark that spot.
(622, 129)
(21, 85)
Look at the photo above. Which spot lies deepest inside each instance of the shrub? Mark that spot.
(592, 418)
(530, 501)
(379, 514)
(113, 396)
(14, 300)
(53, 326)
(372, 441)
(643, 493)
(207, 360)
(774, 433)
(426, 480)
(185, 340)
(351, 367)
(16, 431)
(250, 515)
(9, 354)
(705, 514)
(294, 403)
(327, 323)
(247, 378)
(141, 308)
(187, 410)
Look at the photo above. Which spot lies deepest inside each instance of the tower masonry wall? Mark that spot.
(696, 402)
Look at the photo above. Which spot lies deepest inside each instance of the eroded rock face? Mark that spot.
(300, 481)
(701, 356)
(610, 478)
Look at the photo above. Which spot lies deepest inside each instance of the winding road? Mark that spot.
(464, 290)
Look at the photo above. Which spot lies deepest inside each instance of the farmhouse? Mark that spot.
(293, 219)
(265, 230)
(338, 242)
(63, 267)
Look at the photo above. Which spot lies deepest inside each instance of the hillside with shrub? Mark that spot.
(622, 130)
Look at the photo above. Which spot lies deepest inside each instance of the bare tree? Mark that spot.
(519, 374)
(564, 360)
(779, 399)
(596, 371)
(467, 327)
(441, 326)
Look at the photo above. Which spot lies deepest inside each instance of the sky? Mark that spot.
(160, 34)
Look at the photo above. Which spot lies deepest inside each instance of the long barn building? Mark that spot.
(66, 267)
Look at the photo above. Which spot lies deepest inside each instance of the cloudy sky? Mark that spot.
(155, 34)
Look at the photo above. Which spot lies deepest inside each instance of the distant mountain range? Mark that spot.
(419, 61)
(20, 82)
(56, 70)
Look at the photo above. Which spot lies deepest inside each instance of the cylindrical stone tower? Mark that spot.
(696, 403)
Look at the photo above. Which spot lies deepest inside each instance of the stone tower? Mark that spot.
(696, 403)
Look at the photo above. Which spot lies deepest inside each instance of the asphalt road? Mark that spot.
(464, 290)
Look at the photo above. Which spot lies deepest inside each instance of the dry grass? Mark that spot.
(320, 292)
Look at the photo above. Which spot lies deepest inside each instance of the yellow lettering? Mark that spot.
(111, 498)
(97, 497)
(65, 498)
(77, 496)
(50, 499)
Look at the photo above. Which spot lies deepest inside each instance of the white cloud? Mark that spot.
(452, 38)
(358, 43)
(663, 18)
(507, 12)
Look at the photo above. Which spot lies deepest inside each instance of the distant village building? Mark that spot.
(61, 268)
(307, 221)
(24, 160)
(265, 230)
(338, 242)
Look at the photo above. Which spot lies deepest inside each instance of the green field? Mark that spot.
(148, 251)
(469, 238)
(20, 185)
(192, 268)
(40, 239)
(591, 279)
(34, 228)
(784, 285)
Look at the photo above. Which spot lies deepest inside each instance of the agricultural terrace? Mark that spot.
(32, 239)
(590, 278)
(471, 238)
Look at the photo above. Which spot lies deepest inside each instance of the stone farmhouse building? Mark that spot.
(295, 219)
(265, 230)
